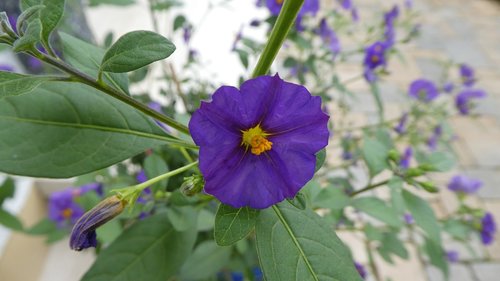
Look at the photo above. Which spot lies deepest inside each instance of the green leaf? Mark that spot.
(10, 221)
(378, 209)
(437, 256)
(179, 22)
(26, 4)
(182, 217)
(43, 227)
(243, 57)
(50, 17)
(378, 100)
(62, 130)
(393, 245)
(423, 215)
(296, 245)
(299, 201)
(206, 220)
(87, 58)
(320, 159)
(154, 166)
(111, 2)
(14, 84)
(27, 15)
(232, 225)
(135, 50)
(149, 250)
(332, 197)
(375, 154)
(457, 229)
(109, 232)
(441, 161)
(30, 38)
(397, 201)
(206, 260)
(7, 190)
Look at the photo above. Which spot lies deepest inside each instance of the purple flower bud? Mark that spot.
(405, 161)
(467, 75)
(448, 87)
(452, 256)
(464, 184)
(488, 229)
(401, 126)
(255, 23)
(423, 90)
(409, 218)
(464, 101)
(361, 269)
(83, 234)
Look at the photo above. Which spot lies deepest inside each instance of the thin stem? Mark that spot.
(88, 80)
(368, 187)
(284, 23)
(165, 176)
(371, 261)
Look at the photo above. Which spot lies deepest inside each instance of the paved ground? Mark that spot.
(467, 31)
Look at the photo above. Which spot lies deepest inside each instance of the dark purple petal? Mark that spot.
(375, 55)
(6, 67)
(400, 128)
(361, 269)
(452, 256)
(409, 218)
(467, 74)
(462, 183)
(423, 90)
(488, 229)
(405, 161)
(464, 100)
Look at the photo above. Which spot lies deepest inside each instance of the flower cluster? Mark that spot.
(258, 144)
(464, 184)
(488, 229)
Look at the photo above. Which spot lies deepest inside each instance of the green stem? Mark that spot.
(88, 80)
(368, 187)
(152, 181)
(284, 23)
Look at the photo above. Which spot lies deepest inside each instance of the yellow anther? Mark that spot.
(279, 1)
(66, 213)
(255, 140)
(375, 59)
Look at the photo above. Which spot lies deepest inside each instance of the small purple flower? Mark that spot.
(354, 14)
(258, 144)
(391, 15)
(448, 87)
(452, 256)
(488, 229)
(187, 32)
(389, 36)
(329, 37)
(423, 90)
(467, 75)
(432, 142)
(464, 184)
(369, 75)
(409, 4)
(83, 234)
(6, 67)
(464, 101)
(409, 218)
(361, 269)
(309, 7)
(375, 55)
(346, 4)
(63, 208)
(405, 161)
(146, 193)
(141, 177)
(400, 128)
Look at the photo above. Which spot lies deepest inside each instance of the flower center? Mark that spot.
(375, 59)
(66, 213)
(255, 139)
(279, 2)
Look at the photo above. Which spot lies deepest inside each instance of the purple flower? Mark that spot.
(63, 208)
(488, 229)
(433, 140)
(83, 234)
(423, 90)
(141, 177)
(391, 15)
(467, 75)
(464, 101)
(452, 256)
(405, 161)
(346, 4)
(6, 67)
(329, 37)
(187, 32)
(409, 218)
(354, 14)
(361, 269)
(258, 144)
(309, 7)
(369, 75)
(409, 4)
(448, 87)
(146, 193)
(375, 55)
(464, 184)
(13, 22)
(255, 23)
(400, 128)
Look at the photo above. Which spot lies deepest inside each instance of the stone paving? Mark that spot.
(467, 31)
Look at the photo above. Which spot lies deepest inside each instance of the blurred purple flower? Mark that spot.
(309, 7)
(467, 75)
(452, 256)
(329, 37)
(254, 155)
(409, 218)
(346, 4)
(375, 55)
(361, 269)
(400, 128)
(464, 184)
(436, 134)
(488, 229)
(255, 23)
(464, 101)
(405, 161)
(6, 67)
(409, 4)
(391, 15)
(187, 32)
(354, 14)
(423, 90)
(448, 87)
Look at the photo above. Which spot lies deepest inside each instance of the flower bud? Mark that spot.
(83, 234)
(414, 172)
(427, 167)
(429, 187)
(192, 185)
(394, 155)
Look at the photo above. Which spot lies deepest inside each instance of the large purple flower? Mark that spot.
(488, 229)
(424, 90)
(329, 37)
(467, 75)
(464, 184)
(464, 99)
(258, 144)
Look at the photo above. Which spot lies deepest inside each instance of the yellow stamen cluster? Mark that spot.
(66, 213)
(375, 59)
(255, 140)
(279, 1)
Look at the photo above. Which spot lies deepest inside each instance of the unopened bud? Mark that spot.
(394, 155)
(192, 185)
(427, 167)
(414, 172)
(429, 187)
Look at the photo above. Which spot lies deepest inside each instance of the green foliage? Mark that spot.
(7, 190)
(440, 161)
(10, 221)
(87, 132)
(30, 38)
(205, 261)
(424, 216)
(320, 159)
(294, 245)
(437, 256)
(182, 217)
(378, 209)
(12, 84)
(154, 166)
(50, 17)
(111, 2)
(140, 253)
(391, 245)
(375, 155)
(232, 225)
(135, 50)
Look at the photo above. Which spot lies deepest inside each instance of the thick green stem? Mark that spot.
(165, 176)
(284, 23)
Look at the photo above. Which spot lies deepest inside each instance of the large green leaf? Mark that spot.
(149, 250)
(232, 225)
(154, 166)
(424, 216)
(87, 58)
(378, 209)
(437, 256)
(295, 245)
(375, 155)
(13, 84)
(10, 221)
(50, 17)
(135, 50)
(30, 38)
(64, 129)
(7, 189)
(207, 259)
